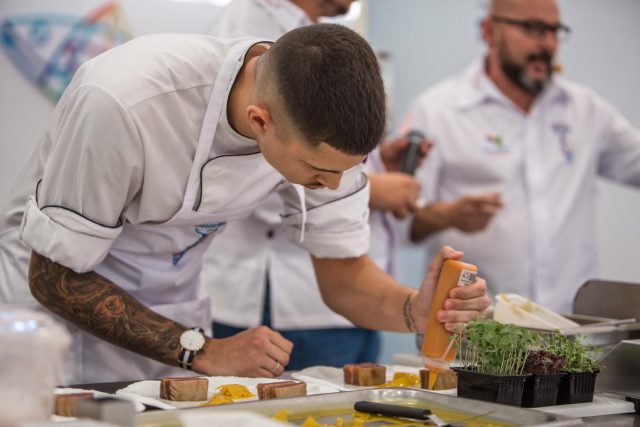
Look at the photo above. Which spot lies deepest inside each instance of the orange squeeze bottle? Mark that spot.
(437, 349)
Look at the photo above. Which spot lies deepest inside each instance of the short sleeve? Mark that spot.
(93, 168)
(337, 221)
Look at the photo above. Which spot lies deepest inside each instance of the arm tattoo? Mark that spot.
(99, 306)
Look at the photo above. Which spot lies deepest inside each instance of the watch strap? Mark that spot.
(185, 359)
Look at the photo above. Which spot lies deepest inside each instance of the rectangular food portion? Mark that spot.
(280, 389)
(446, 380)
(364, 374)
(65, 404)
(184, 388)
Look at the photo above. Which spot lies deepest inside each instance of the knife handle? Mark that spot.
(392, 410)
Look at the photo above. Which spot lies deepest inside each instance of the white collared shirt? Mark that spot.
(259, 18)
(542, 243)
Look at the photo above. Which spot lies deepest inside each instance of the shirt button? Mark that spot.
(270, 234)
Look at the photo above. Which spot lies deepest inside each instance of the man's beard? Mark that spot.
(516, 72)
(336, 9)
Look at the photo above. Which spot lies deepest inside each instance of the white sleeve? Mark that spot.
(337, 221)
(93, 170)
(620, 147)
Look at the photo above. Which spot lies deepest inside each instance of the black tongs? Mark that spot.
(389, 410)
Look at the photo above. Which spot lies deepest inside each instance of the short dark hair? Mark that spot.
(327, 80)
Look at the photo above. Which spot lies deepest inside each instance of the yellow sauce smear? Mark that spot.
(403, 379)
(217, 399)
(282, 415)
(228, 394)
(235, 391)
(433, 377)
(359, 419)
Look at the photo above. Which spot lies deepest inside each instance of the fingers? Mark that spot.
(276, 350)
(269, 351)
(275, 371)
(412, 193)
(281, 343)
(391, 152)
(473, 213)
(475, 290)
(425, 148)
(447, 252)
(465, 303)
(427, 288)
(493, 200)
(277, 360)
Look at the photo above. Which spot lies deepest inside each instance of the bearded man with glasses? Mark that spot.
(517, 150)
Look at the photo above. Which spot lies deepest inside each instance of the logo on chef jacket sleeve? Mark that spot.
(562, 134)
(203, 231)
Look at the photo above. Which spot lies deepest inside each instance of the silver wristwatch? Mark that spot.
(191, 341)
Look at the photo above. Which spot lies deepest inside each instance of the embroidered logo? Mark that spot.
(204, 231)
(494, 144)
(562, 130)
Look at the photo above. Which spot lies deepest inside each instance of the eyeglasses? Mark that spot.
(536, 29)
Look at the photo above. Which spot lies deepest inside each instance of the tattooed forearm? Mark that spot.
(97, 305)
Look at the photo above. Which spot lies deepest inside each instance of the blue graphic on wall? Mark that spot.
(204, 230)
(48, 48)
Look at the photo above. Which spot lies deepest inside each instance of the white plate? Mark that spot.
(328, 375)
(148, 392)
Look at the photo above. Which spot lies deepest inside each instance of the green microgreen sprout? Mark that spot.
(490, 347)
(579, 356)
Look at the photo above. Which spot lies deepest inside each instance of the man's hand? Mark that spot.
(392, 152)
(395, 192)
(473, 213)
(468, 213)
(257, 352)
(463, 304)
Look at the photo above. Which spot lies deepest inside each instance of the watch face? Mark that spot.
(192, 340)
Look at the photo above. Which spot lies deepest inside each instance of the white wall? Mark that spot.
(25, 112)
(431, 39)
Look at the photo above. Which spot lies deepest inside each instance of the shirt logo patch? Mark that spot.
(204, 231)
(562, 131)
(494, 144)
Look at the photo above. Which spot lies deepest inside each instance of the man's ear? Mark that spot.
(259, 119)
(486, 28)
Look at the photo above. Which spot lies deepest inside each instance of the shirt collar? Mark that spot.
(478, 88)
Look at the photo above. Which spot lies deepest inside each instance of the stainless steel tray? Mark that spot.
(621, 373)
(326, 407)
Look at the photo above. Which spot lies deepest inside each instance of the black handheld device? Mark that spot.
(412, 152)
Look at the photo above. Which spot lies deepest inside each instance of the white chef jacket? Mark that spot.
(140, 168)
(237, 261)
(236, 264)
(542, 243)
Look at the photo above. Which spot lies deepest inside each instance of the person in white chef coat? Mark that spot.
(154, 147)
(511, 179)
(254, 275)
